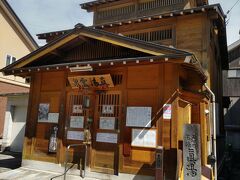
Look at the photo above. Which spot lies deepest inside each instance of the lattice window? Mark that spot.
(116, 12)
(117, 79)
(157, 3)
(109, 99)
(153, 36)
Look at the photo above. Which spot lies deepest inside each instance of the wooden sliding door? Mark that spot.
(106, 127)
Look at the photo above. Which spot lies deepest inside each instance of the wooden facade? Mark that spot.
(193, 26)
(65, 75)
(143, 80)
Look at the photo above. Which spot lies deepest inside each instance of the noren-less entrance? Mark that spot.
(97, 112)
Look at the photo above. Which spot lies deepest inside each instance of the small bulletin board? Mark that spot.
(144, 138)
(107, 137)
(75, 135)
(138, 116)
(76, 121)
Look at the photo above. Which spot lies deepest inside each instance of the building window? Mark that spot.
(234, 73)
(158, 35)
(10, 59)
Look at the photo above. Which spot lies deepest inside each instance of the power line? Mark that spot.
(227, 21)
(233, 6)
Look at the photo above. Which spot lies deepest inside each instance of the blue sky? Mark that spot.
(51, 15)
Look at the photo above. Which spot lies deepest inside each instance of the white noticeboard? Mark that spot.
(144, 138)
(167, 111)
(53, 117)
(107, 123)
(76, 121)
(75, 135)
(107, 137)
(139, 116)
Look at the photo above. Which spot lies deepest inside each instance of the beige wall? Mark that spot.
(12, 43)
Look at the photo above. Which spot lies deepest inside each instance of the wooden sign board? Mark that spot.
(191, 152)
(92, 81)
(139, 116)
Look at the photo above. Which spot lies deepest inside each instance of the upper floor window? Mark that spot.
(10, 59)
(234, 73)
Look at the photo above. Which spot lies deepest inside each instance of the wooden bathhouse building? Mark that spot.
(125, 87)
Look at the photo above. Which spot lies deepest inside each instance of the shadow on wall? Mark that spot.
(17, 142)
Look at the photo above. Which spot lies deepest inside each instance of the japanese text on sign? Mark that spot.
(191, 152)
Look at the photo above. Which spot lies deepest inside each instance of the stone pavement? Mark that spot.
(10, 170)
(30, 174)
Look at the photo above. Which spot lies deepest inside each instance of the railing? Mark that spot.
(66, 159)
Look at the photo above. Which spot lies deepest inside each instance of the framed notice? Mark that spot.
(77, 109)
(108, 109)
(107, 137)
(167, 111)
(144, 138)
(75, 135)
(53, 117)
(43, 111)
(76, 121)
(107, 123)
(139, 116)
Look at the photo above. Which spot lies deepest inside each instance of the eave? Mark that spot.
(89, 5)
(188, 62)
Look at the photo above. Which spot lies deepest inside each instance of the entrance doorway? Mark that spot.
(100, 112)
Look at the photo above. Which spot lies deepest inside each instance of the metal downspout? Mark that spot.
(214, 150)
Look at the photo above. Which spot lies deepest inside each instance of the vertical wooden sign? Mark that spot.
(191, 152)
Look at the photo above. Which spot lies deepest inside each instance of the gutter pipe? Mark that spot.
(213, 119)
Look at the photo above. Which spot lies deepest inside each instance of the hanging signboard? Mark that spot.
(167, 111)
(92, 81)
(76, 121)
(191, 152)
(75, 135)
(77, 109)
(139, 116)
(108, 109)
(107, 123)
(144, 137)
(43, 111)
(107, 137)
